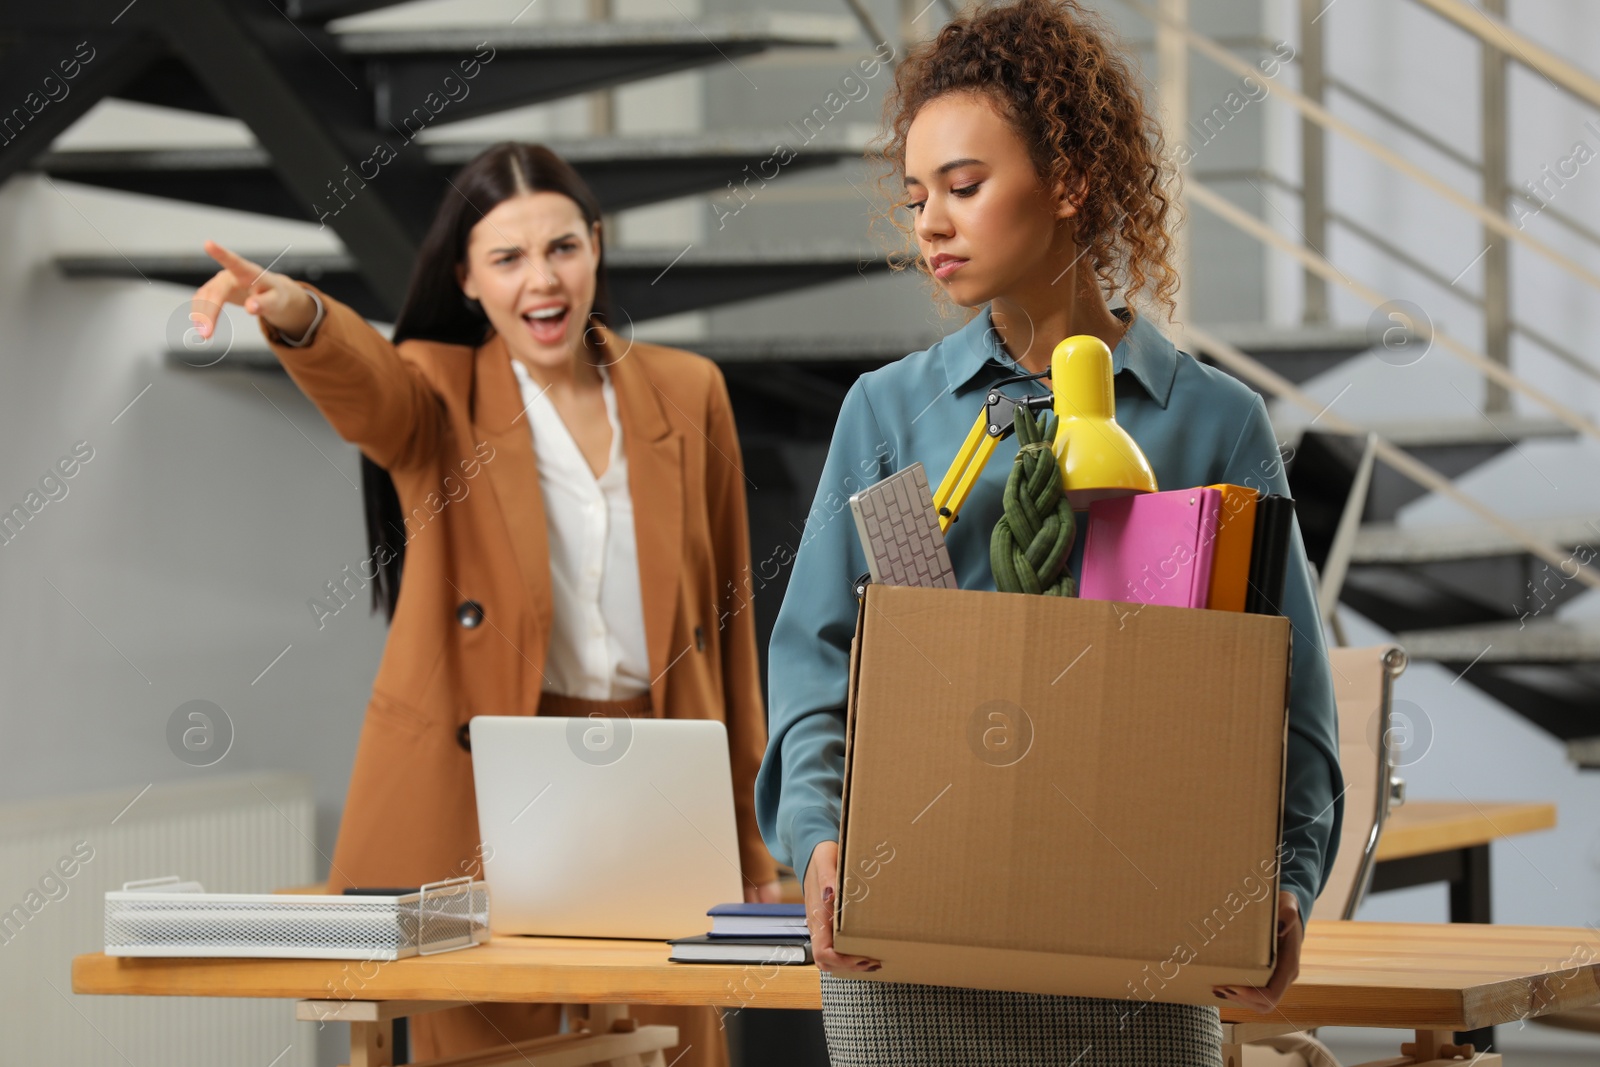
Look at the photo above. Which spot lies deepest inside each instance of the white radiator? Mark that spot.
(59, 856)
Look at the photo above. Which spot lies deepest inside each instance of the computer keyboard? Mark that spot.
(900, 531)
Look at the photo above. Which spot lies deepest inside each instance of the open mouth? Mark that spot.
(547, 325)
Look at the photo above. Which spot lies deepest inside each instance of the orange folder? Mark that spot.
(1230, 561)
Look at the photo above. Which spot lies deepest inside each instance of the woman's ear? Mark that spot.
(1069, 194)
(464, 280)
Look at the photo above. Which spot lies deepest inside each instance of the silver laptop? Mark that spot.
(605, 827)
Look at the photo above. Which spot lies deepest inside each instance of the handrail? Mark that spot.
(1455, 155)
(1406, 259)
(1276, 385)
(1336, 565)
(1269, 381)
(1494, 220)
(1549, 344)
(1498, 34)
(1557, 215)
(1403, 124)
(1557, 349)
(1253, 226)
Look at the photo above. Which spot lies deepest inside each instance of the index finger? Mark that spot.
(243, 271)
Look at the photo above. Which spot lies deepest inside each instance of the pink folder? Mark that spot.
(1152, 548)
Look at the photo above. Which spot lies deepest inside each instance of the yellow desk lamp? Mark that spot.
(1097, 458)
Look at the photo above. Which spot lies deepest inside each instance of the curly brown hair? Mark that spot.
(1064, 81)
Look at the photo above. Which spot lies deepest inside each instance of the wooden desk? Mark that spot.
(1426, 841)
(1434, 978)
(1425, 827)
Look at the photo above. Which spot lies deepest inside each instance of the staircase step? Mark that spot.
(877, 349)
(624, 172)
(552, 60)
(711, 32)
(520, 65)
(1543, 640)
(1585, 752)
(1298, 352)
(646, 283)
(1417, 578)
(853, 353)
(857, 352)
(1323, 466)
(1547, 670)
(1419, 435)
(1388, 543)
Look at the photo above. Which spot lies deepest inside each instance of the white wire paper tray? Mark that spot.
(166, 917)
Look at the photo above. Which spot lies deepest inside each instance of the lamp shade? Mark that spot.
(1098, 459)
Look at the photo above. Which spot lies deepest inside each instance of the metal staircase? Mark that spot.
(1473, 598)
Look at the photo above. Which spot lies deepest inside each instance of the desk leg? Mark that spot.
(1434, 1048)
(608, 1037)
(1470, 893)
(1470, 902)
(369, 1044)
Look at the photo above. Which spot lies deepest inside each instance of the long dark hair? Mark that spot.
(436, 309)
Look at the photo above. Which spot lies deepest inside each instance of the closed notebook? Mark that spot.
(706, 949)
(1152, 548)
(1230, 560)
(758, 920)
(1270, 556)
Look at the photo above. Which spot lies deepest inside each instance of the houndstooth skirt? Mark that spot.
(894, 1024)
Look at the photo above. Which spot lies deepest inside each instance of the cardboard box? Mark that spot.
(1064, 796)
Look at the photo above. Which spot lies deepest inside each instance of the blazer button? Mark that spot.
(699, 639)
(469, 613)
(464, 737)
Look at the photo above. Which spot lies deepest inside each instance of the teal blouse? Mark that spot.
(1196, 425)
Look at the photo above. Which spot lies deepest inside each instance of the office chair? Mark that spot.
(1363, 685)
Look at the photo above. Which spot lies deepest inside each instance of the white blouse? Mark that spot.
(597, 644)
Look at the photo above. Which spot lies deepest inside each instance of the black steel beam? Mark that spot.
(49, 80)
(305, 104)
(169, 82)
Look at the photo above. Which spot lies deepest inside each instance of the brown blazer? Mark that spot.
(446, 421)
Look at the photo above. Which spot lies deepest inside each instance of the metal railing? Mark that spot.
(1175, 37)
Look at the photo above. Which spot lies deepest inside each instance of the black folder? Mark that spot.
(1269, 554)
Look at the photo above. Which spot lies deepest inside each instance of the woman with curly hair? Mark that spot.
(1035, 187)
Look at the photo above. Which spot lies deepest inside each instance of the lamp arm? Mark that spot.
(989, 430)
(959, 479)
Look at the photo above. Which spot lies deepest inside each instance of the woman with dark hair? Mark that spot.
(1034, 187)
(568, 509)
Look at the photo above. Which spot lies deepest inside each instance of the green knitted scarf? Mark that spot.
(1030, 544)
